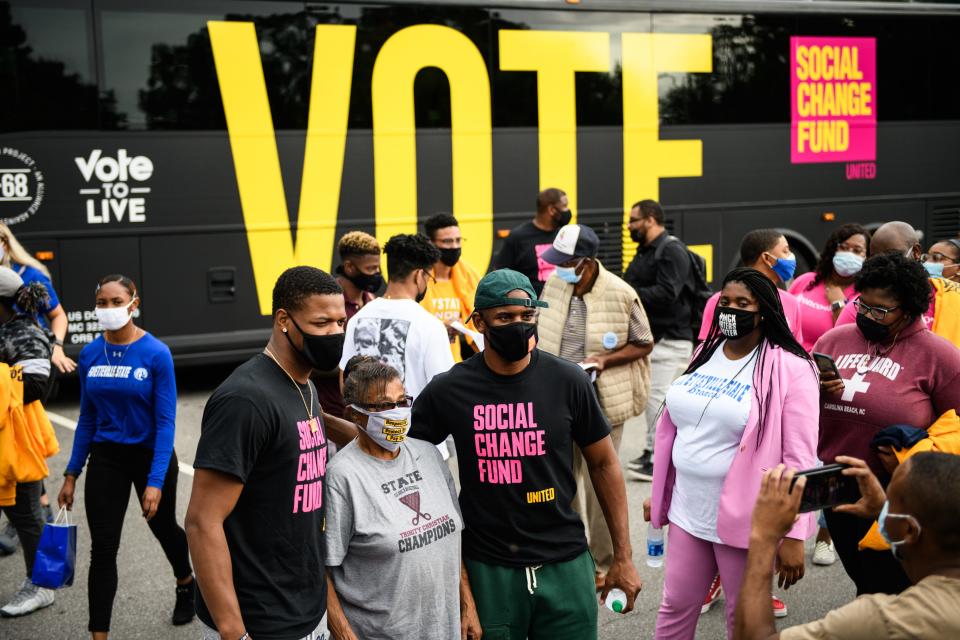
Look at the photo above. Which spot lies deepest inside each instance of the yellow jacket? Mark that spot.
(26, 437)
(943, 435)
(946, 316)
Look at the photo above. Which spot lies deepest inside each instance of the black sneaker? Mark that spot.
(183, 611)
(638, 463)
(644, 473)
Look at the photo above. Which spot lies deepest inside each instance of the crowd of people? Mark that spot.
(442, 460)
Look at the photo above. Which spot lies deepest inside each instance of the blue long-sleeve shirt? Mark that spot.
(128, 395)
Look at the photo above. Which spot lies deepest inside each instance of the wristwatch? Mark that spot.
(837, 305)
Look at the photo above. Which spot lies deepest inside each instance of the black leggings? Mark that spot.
(871, 571)
(27, 519)
(110, 472)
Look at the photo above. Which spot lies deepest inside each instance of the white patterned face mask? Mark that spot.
(387, 428)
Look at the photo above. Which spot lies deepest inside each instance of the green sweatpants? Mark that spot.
(553, 602)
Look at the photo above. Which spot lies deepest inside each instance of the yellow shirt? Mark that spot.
(442, 301)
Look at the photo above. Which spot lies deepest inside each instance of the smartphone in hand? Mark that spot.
(827, 487)
(825, 364)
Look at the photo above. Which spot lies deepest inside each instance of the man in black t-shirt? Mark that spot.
(515, 414)
(255, 521)
(523, 248)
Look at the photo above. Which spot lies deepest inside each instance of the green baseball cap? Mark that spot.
(492, 290)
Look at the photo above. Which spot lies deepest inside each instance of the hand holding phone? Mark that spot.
(830, 380)
(826, 487)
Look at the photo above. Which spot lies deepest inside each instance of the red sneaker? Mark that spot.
(712, 595)
(779, 607)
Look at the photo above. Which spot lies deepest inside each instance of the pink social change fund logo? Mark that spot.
(833, 98)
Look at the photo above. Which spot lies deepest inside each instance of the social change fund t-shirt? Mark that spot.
(393, 543)
(255, 427)
(515, 437)
(710, 407)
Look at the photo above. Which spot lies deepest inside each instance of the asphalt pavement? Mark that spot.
(145, 595)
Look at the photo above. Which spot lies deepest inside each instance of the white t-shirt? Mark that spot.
(721, 391)
(402, 334)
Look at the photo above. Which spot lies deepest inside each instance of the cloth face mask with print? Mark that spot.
(387, 428)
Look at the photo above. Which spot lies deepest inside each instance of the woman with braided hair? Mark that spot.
(747, 402)
(25, 345)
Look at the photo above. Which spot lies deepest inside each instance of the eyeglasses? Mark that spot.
(878, 313)
(376, 407)
(936, 256)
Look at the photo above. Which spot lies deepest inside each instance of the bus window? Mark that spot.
(158, 66)
(916, 57)
(47, 71)
(750, 81)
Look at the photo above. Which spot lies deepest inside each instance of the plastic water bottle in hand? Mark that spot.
(616, 601)
(654, 546)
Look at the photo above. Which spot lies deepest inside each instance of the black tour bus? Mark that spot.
(201, 146)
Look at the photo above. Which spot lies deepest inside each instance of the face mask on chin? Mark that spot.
(321, 352)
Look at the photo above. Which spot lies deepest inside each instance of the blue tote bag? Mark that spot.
(56, 554)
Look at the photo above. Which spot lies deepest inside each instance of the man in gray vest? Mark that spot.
(596, 319)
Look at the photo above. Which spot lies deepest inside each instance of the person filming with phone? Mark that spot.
(892, 377)
(918, 519)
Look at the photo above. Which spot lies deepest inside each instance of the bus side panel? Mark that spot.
(201, 286)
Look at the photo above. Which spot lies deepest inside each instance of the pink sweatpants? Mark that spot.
(691, 565)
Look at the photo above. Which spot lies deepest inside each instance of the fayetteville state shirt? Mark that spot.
(912, 382)
(255, 428)
(515, 438)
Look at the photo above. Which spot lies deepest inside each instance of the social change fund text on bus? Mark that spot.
(202, 147)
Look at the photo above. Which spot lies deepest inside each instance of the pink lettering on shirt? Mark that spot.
(544, 268)
(505, 433)
(311, 466)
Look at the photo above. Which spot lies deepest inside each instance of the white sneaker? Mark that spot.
(823, 554)
(28, 599)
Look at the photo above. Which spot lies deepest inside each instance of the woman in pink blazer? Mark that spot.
(748, 401)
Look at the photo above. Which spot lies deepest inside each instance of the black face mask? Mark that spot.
(512, 342)
(323, 353)
(736, 323)
(422, 294)
(563, 218)
(450, 257)
(368, 282)
(636, 236)
(871, 329)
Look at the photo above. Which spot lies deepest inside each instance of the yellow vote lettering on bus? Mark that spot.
(554, 55)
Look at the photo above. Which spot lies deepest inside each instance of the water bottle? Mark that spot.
(654, 546)
(616, 600)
